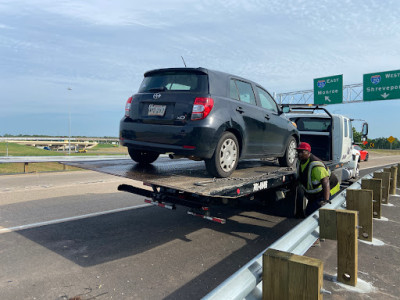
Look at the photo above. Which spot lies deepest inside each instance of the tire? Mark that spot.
(142, 157)
(289, 159)
(366, 157)
(225, 158)
(301, 203)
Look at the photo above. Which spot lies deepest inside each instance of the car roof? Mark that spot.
(198, 70)
(216, 78)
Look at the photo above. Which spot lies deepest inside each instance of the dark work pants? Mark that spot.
(315, 204)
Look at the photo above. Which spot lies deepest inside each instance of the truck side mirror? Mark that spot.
(364, 132)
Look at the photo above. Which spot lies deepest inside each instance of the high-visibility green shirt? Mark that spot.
(318, 173)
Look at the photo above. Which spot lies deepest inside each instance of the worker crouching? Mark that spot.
(319, 184)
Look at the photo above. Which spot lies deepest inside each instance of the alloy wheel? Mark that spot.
(228, 155)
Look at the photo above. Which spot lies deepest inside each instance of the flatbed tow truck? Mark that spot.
(187, 183)
(167, 183)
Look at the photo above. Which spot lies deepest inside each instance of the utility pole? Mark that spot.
(69, 124)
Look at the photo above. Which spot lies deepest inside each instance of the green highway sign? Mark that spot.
(381, 86)
(328, 90)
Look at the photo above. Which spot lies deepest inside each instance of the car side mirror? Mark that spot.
(286, 109)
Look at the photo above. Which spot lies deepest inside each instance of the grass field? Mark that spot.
(21, 150)
(17, 168)
(385, 151)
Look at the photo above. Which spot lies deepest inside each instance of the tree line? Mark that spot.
(378, 143)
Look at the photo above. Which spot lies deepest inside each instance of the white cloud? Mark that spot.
(2, 26)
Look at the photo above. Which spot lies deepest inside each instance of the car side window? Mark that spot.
(266, 100)
(234, 94)
(246, 93)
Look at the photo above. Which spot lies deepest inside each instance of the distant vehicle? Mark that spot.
(206, 115)
(80, 151)
(46, 148)
(363, 153)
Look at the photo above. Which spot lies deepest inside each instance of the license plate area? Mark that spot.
(156, 110)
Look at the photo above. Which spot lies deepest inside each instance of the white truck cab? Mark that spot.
(330, 137)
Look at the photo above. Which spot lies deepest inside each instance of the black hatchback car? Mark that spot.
(205, 115)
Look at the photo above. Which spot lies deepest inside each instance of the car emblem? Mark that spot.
(156, 96)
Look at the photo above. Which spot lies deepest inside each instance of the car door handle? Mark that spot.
(240, 109)
(267, 116)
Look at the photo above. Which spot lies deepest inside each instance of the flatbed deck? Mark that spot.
(191, 176)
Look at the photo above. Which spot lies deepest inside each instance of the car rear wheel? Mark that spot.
(289, 159)
(225, 158)
(366, 157)
(142, 157)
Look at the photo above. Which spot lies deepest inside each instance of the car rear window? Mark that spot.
(175, 81)
(313, 124)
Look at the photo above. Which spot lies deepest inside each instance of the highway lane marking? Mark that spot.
(51, 222)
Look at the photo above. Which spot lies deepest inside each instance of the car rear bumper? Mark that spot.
(181, 140)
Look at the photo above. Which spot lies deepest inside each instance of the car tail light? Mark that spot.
(128, 107)
(201, 108)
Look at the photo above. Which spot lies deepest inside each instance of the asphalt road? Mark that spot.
(65, 235)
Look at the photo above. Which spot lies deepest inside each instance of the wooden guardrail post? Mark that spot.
(290, 276)
(25, 167)
(398, 176)
(385, 176)
(375, 185)
(347, 255)
(361, 201)
(346, 236)
(393, 179)
(327, 224)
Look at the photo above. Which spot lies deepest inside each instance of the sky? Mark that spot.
(83, 59)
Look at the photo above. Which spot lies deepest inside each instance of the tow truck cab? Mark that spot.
(330, 137)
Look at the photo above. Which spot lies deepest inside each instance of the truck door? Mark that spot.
(347, 140)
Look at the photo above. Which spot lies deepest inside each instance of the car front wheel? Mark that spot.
(366, 157)
(225, 158)
(142, 157)
(289, 159)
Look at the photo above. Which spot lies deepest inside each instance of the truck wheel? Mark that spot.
(301, 203)
(225, 158)
(142, 157)
(289, 159)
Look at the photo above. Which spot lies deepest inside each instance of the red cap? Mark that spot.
(304, 146)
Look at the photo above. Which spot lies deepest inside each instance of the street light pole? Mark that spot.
(69, 125)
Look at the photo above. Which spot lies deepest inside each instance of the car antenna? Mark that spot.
(183, 61)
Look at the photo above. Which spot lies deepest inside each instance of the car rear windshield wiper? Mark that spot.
(157, 89)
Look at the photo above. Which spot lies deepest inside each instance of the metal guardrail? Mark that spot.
(246, 283)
